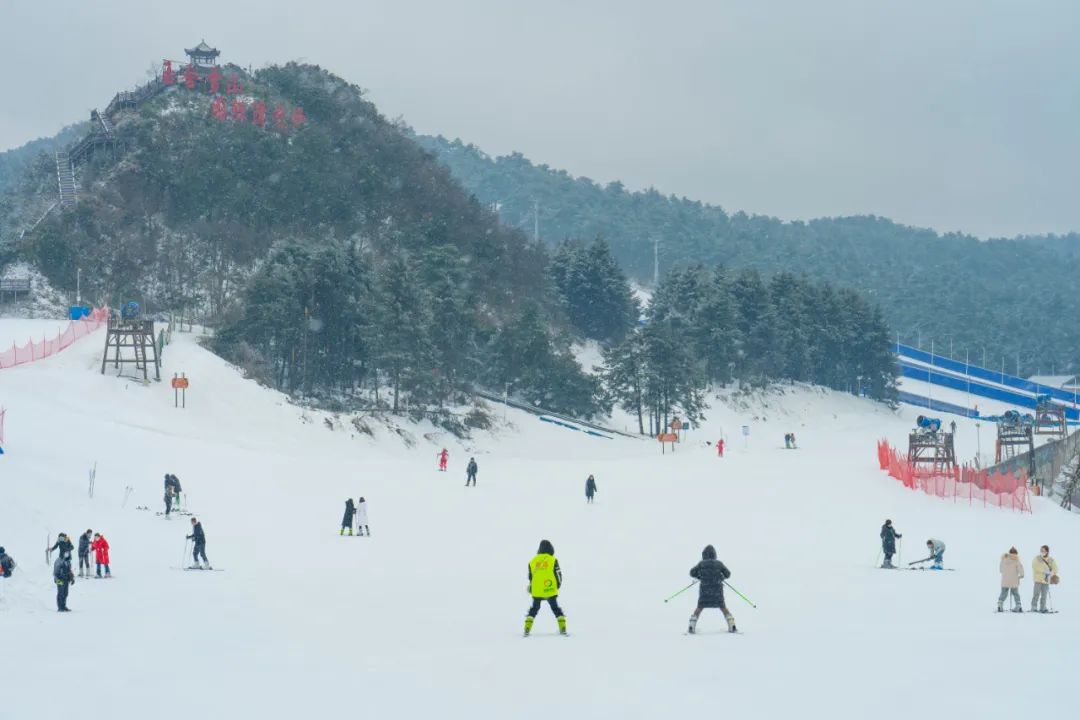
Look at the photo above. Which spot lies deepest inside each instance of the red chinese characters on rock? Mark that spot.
(168, 75)
(190, 76)
(239, 110)
(258, 113)
(297, 118)
(279, 117)
(215, 81)
(217, 108)
(234, 87)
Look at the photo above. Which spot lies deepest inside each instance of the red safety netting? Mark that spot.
(31, 351)
(963, 483)
(2, 413)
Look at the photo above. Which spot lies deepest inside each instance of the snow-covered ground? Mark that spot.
(424, 618)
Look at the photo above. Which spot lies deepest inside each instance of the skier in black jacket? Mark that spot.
(64, 579)
(470, 473)
(63, 544)
(590, 488)
(888, 543)
(711, 574)
(84, 553)
(199, 537)
(346, 522)
(7, 563)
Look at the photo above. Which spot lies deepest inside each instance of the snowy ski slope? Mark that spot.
(424, 619)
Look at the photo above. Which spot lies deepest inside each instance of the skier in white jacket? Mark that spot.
(361, 518)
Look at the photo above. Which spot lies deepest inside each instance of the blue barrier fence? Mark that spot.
(981, 373)
(935, 405)
(973, 386)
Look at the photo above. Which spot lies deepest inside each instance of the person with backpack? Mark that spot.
(470, 472)
(347, 520)
(64, 579)
(84, 553)
(199, 550)
(172, 492)
(1012, 570)
(888, 543)
(710, 574)
(7, 564)
(361, 518)
(100, 546)
(1044, 572)
(545, 581)
(590, 489)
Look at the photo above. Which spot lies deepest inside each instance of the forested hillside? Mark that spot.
(1009, 297)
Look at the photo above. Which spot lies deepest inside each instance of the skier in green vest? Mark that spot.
(545, 579)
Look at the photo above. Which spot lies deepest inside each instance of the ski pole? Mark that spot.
(740, 594)
(682, 591)
(900, 550)
(877, 557)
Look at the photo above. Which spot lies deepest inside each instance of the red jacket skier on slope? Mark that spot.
(444, 457)
(100, 546)
(720, 447)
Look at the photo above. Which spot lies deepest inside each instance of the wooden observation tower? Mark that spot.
(929, 445)
(130, 340)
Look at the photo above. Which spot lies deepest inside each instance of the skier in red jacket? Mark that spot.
(100, 546)
(444, 456)
(720, 447)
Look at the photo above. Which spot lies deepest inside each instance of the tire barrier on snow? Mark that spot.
(75, 330)
(999, 489)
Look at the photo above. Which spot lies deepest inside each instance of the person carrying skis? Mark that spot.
(590, 488)
(710, 574)
(100, 546)
(444, 457)
(63, 544)
(199, 537)
(173, 482)
(888, 543)
(84, 553)
(346, 521)
(64, 579)
(7, 564)
(545, 581)
(470, 472)
(1044, 573)
(720, 447)
(1011, 571)
(361, 518)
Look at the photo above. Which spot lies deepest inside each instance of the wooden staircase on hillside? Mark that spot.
(65, 178)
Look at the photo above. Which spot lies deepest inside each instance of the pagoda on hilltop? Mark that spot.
(203, 55)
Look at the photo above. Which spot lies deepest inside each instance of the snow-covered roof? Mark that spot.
(202, 49)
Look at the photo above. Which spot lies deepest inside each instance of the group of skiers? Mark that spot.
(546, 580)
(1044, 572)
(64, 576)
(355, 511)
(1044, 569)
(789, 441)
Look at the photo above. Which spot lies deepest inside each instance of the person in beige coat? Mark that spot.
(1045, 573)
(1012, 569)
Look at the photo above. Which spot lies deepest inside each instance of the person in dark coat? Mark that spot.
(470, 472)
(346, 522)
(7, 563)
(174, 482)
(64, 579)
(84, 553)
(710, 574)
(199, 537)
(63, 544)
(590, 488)
(888, 543)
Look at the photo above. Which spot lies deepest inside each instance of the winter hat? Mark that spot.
(1013, 551)
(362, 500)
(2, 551)
(709, 553)
(888, 522)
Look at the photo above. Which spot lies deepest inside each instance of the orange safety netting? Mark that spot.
(963, 483)
(43, 348)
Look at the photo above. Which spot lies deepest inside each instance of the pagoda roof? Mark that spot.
(203, 49)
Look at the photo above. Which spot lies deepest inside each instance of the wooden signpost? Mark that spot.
(180, 386)
(667, 438)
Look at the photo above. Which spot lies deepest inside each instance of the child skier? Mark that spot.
(545, 581)
(7, 564)
(64, 579)
(361, 518)
(444, 457)
(888, 543)
(100, 546)
(1044, 572)
(710, 574)
(84, 553)
(347, 520)
(470, 472)
(199, 537)
(590, 488)
(1011, 571)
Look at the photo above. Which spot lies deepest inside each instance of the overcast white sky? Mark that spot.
(959, 115)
